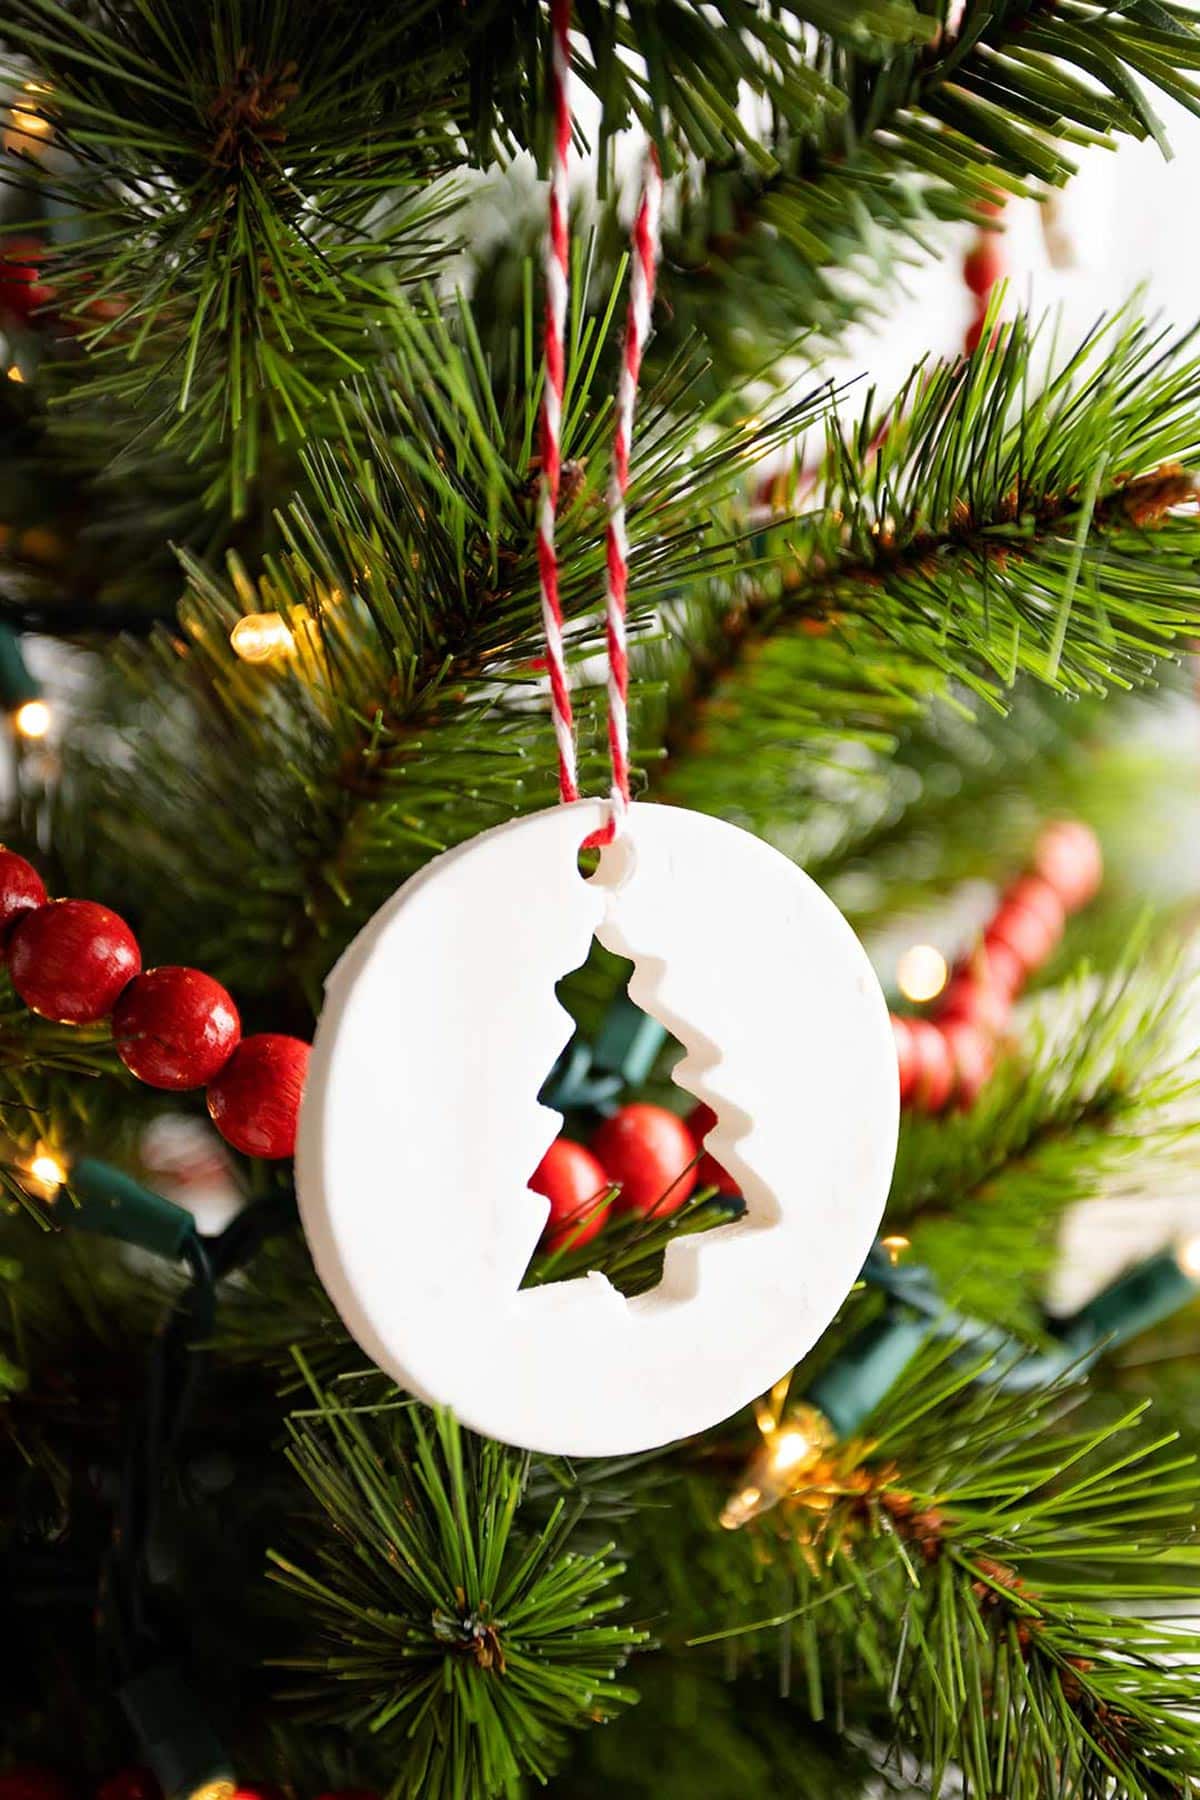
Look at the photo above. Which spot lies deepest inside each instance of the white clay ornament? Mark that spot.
(421, 1127)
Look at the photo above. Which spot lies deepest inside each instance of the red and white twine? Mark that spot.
(555, 356)
(637, 329)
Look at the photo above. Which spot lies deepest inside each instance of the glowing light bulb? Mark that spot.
(43, 1173)
(922, 972)
(895, 1247)
(219, 1789)
(741, 1507)
(262, 637)
(790, 1449)
(786, 1463)
(47, 1168)
(14, 374)
(1188, 1257)
(26, 128)
(33, 719)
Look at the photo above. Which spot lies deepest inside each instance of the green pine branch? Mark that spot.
(893, 833)
(982, 526)
(923, 133)
(91, 508)
(409, 714)
(472, 1636)
(966, 1579)
(992, 521)
(695, 1732)
(246, 184)
(1103, 1084)
(676, 70)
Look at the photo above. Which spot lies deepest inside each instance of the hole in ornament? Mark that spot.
(606, 865)
(628, 1172)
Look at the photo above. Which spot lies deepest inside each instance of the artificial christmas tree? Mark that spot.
(341, 523)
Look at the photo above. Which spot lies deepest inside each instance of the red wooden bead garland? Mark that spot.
(906, 1057)
(1068, 856)
(975, 1004)
(1022, 931)
(983, 266)
(22, 290)
(1036, 894)
(175, 1028)
(74, 961)
(574, 1183)
(649, 1151)
(935, 1066)
(999, 968)
(972, 995)
(28, 1781)
(130, 1784)
(71, 959)
(972, 1054)
(255, 1100)
(22, 889)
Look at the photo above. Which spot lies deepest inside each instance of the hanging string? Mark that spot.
(554, 352)
(637, 327)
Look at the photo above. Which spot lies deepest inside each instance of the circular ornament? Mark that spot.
(417, 1142)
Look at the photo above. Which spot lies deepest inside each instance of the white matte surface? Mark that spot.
(421, 1127)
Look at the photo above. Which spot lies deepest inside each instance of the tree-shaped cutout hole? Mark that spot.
(628, 1171)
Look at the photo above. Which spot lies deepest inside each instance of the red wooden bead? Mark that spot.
(1001, 969)
(906, 1057)
(130, 1784)
(973, 1058)
(972, 996)
(255, 1100)
(29, 1782)
(71, 959)
(1034, 892)
(1068, 856)
(22, 290)
(709, 1173)
(22, 889)
(175, 1028)
(935, 1066)
(649, 1151)
(983, 266)
(574, 1183)
(1022, 931)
